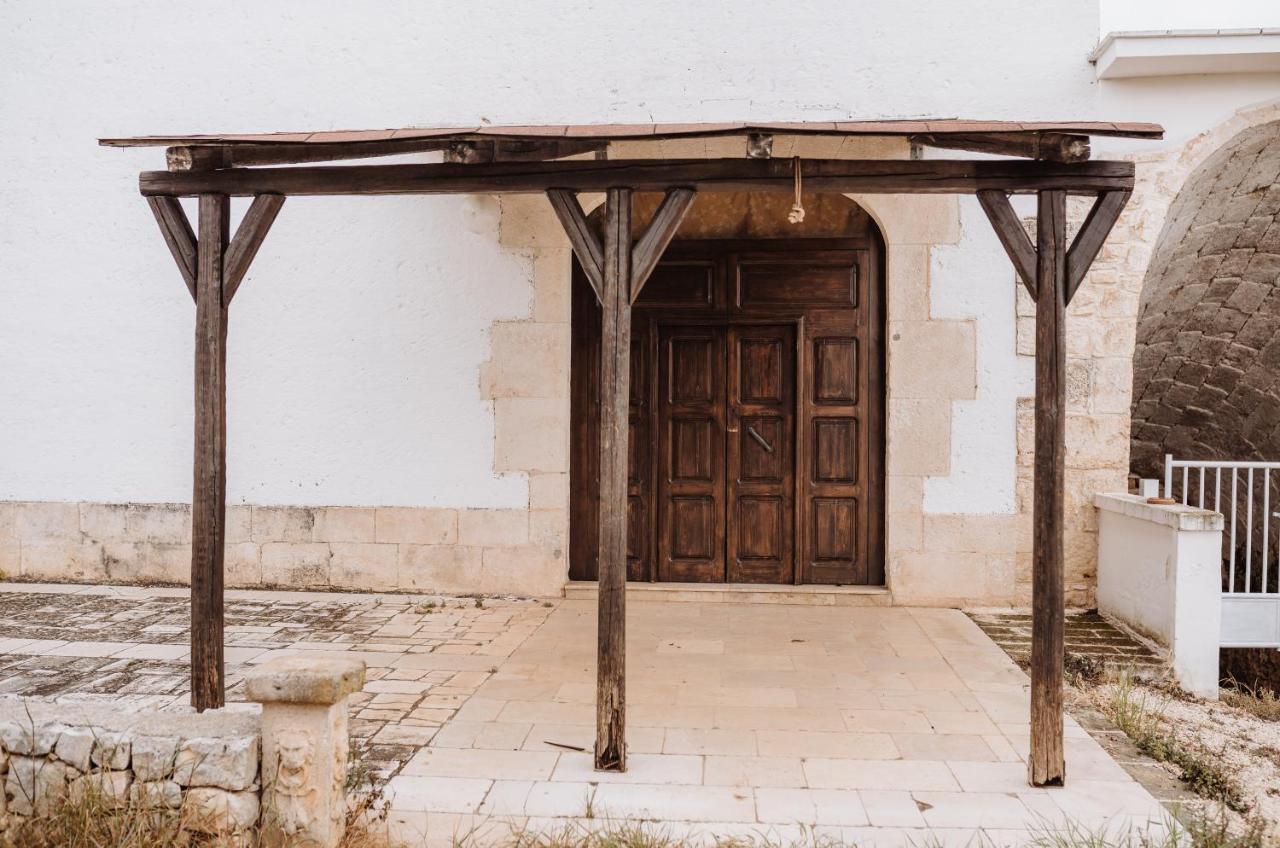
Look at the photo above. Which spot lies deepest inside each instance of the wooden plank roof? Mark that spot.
(620, 132)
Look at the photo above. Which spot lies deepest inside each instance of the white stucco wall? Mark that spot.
(355, 341)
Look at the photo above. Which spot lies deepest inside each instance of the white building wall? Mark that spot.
(371, 346)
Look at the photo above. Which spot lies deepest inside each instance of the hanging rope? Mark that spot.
(796, 215)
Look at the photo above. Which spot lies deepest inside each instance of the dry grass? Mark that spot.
(91, 820)
(1261, 703)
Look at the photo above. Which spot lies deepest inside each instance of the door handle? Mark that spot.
(751, 431)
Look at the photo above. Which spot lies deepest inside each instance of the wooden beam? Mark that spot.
(615, 367)
(1017, 244)
(209, 498)
(1045, 765)
(1048, 146)
(583, 240)
(880, 176)
(212, 156)
(648, 250)
(1093, 233)
(176, 230)
(249, 235)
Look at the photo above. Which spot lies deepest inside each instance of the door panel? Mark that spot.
(691, 413)
(761, 454)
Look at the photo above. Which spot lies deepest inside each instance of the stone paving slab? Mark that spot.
(425, 654)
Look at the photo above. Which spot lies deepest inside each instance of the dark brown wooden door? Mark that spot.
(756, 451)
(691, 446)
(761, 454)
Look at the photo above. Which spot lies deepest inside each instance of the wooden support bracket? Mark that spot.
(249, 235)
(177, 233)
(1093, 233)
(650, 246)
(1012, 235)
(586, 246)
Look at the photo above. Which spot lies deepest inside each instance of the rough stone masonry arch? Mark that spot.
(1207, 356)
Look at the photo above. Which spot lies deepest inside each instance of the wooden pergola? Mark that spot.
(1050, 160)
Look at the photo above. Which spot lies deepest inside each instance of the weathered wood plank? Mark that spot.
(177, 233)
(1093, 234)
(615, 367)
(249, 235)
(205, 157)
(1012, 235)
(583, 240)
(1049, 146)
(649, 248)
(1045, 766)
(208, 501)
(880, 176)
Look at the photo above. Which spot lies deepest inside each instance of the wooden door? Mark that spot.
(691, 440)
(761, 454)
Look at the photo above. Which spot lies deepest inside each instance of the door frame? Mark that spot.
(584, 500)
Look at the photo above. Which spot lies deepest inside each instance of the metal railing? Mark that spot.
(1243, 493)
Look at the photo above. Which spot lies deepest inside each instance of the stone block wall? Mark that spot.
(207, 766)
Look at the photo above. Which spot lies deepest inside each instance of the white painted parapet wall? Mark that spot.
(1160, 572)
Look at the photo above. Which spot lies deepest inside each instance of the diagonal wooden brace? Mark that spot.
(178, 235)
(1093, 233)
(1012, 235)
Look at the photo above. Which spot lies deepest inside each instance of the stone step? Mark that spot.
(742, 593)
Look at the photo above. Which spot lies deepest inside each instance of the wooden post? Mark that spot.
(615, 367)
(209, 497)
(1045, 766)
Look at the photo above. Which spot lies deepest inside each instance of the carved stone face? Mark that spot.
(295, 750)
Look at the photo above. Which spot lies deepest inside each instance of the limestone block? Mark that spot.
(528, 221)
(986, 534)
(242, 564)
(15, 738)
(8, 513)
(74, 747)
(110, 788)
(907, 289)
(549, 528)
(139, 562)
(548, 491)
(524, 570)
(74, 561)
(37, 521)
(104, 522)
(226, 763)
(904, 531)
(160, 523)
(904, 493)
(344, 524)
(438, 567)
(35, 785)
(295, 563)
(1097, 441)
(919, 441)
(527, 359)
(239, 524)
(153, 757)
(932, 360)
(551, 286)
(216, 811)
(416, 525)
(304, 679)
(493, 527)
(112, 750)
(282, 524)
(914, 218)
(531, 434)
(159, 794)
(10, 558)
(361, 565)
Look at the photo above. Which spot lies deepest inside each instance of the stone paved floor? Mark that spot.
(876, 725)
(425, 655)
(882, 726)
(1087, 635)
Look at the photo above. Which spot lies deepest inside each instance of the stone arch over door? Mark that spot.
(1207, 354)
(739, 223)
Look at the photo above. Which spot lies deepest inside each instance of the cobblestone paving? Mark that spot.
(1087, 635)
(425, 655)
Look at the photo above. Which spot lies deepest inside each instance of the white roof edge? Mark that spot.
(1176, 33)
(1156, 53)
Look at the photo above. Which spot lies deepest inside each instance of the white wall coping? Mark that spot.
(1176, 516)
(1155, 53)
